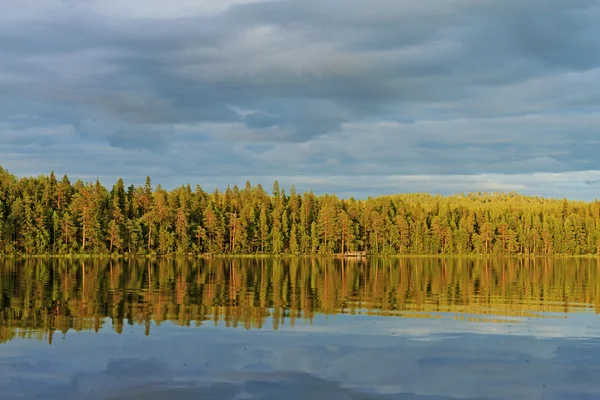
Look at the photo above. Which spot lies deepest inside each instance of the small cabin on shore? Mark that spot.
(355, 254)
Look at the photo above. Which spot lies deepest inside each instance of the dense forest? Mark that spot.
(47, 297)
(44, 215)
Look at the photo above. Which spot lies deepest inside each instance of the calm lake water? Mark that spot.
(422, 328)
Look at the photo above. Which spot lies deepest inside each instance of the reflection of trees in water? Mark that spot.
(40, 297)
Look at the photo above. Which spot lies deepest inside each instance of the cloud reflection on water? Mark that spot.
(346, 357)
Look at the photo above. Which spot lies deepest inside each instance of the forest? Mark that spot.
(47, 216)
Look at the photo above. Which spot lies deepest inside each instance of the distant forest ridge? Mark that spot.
(44, 215)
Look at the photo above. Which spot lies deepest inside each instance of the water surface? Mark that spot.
(424, 328)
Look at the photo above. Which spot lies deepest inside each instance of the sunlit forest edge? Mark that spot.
(46, 216)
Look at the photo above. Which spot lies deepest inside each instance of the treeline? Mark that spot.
(44, 297)
(44, 215)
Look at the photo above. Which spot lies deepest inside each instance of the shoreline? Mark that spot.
(289, 256)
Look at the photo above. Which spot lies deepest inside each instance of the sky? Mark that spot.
(351, 97)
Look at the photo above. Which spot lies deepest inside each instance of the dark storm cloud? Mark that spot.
(487, 87)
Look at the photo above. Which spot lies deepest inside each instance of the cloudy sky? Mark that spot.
(347, 96)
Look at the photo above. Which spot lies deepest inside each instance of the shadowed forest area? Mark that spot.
(46, 297)
(44, 215)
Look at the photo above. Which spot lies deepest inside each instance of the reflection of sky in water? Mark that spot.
(337, 357)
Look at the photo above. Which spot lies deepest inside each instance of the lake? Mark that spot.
(307, 328)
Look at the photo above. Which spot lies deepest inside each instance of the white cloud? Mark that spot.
(130, 9)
